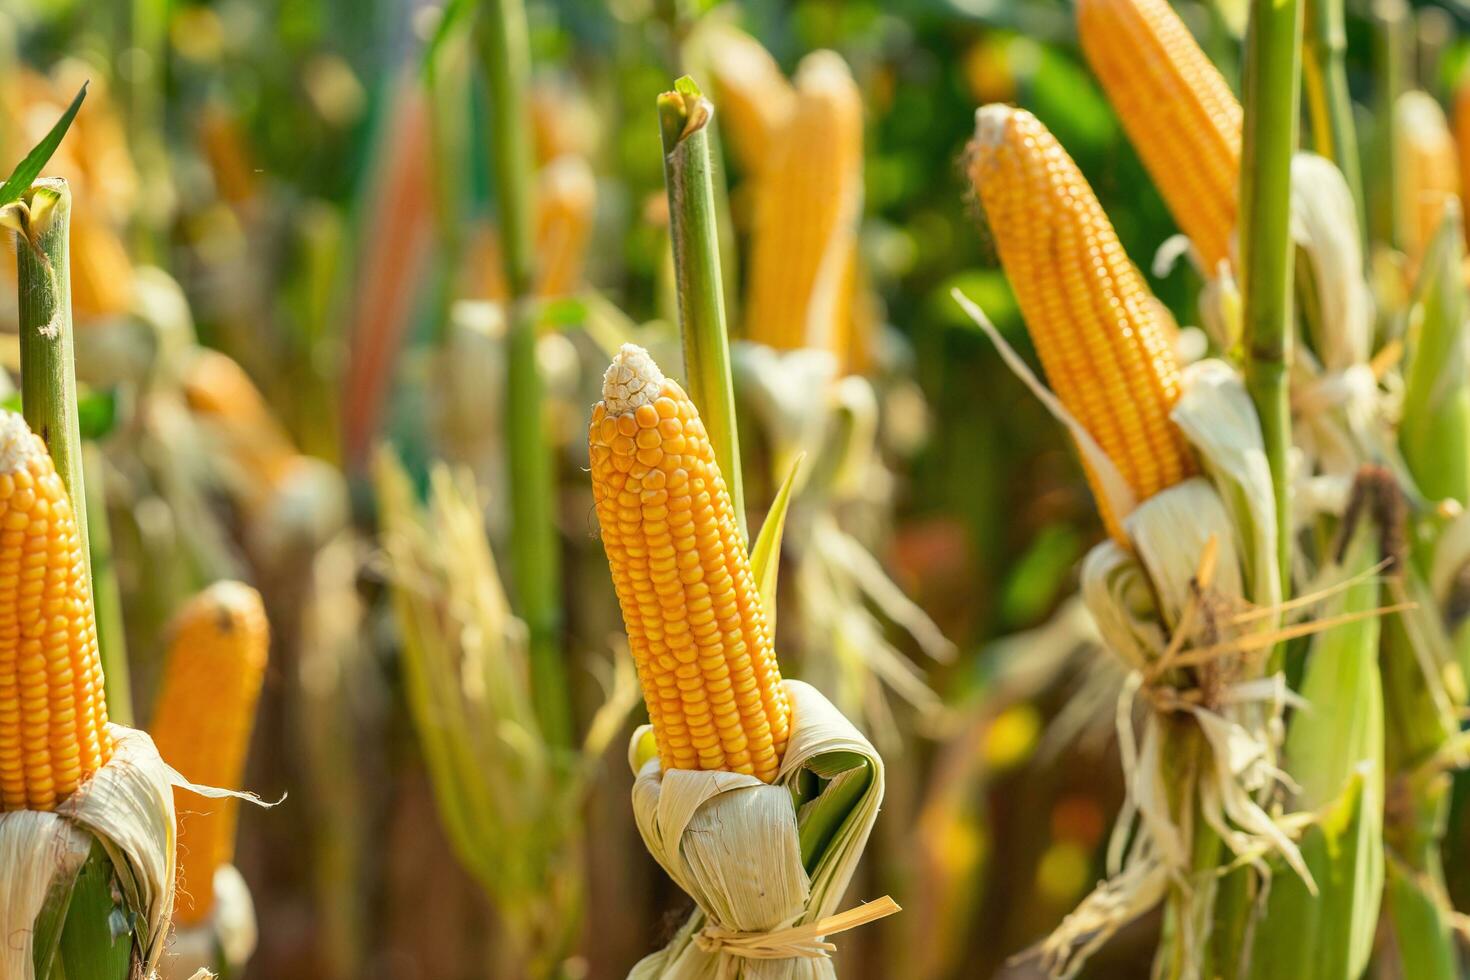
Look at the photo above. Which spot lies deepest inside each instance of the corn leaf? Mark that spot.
(46, 937)
(765, 557)
(1425, 947)
(29, 169)
(97, 939)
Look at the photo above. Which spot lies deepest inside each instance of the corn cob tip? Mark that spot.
(19, 447)
(631, 381)
(990, 123)
(823, 70)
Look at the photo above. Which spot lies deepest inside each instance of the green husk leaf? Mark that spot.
(1425, 946)
(765, 557)
(842, 778)
(29, 169)
(46, 936)
(97, 940)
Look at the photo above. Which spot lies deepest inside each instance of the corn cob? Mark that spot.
(1426, 168)
(1177, 109)
(753, 99)
(565, 201)
(217, 388)
(806, 214)
(690, 604)
(1462, 142)
(206, 709)
(101, 272)
(1101, 335)
(53, 716)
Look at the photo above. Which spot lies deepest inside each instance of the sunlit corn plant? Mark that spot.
(752, 792)
(509, 797)
(86, 804)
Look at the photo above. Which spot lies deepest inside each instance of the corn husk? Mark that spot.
(735, 844)
(128, 807)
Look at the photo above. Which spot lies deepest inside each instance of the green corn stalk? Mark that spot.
(505, 61)
(684, 116)
(1330, 107)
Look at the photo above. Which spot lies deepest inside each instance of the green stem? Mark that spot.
(1334, 134)
(107, 596)
(1390, 20)
(684, 116)
(505, 61)
(1272, 83)
(48, 383)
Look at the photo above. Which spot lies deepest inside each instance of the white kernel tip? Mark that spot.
(632, 381)
(18, 448)
(991, 122)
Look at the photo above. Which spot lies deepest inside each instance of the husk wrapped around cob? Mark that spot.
(753, 793)
(1187, 589)
(69, 788)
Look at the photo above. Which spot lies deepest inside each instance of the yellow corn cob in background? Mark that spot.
(1426, 168)
(566, 200)
(808, 205)
(218, 389)
(1462, 140)
(690, 604)
(752, 97)
(1177, 109)
(1101, 335)
(101, 272)
(202, 724)
(53, 716)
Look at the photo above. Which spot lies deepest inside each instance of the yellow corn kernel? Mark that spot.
(807, 209)
(53, 716)
(753, 100)
(218, 389)
(1101, 335)
(690, 604)
(1426, 168)
(566, 200)
(1177, 109)
(202, 724)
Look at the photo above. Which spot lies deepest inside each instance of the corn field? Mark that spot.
(717, 490)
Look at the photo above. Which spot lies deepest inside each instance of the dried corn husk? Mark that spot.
(128, 807)
(735, 844)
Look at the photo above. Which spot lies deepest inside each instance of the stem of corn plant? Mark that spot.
(505, 60)
(1389, 19)
(684, 116)
(1272, 90)
(106, 595)
(48, 383)
(1334, 134)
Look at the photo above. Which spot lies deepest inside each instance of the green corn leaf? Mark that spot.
(29, 169)
(1424, 944)
(97, 939)
(46, 935)
(765, 557)
(837, 781)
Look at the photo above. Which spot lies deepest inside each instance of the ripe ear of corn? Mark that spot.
(808, 204)
(752, 97)
(566, 199)
(691, 606)
(1427, 171)
(53, 715)
(1177, 109)
(216, 387)
(1102, 336)
(202, 724)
